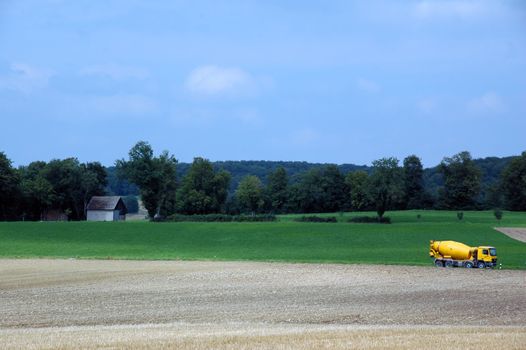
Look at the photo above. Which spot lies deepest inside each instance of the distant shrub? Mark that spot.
(370, 219)
(460, 215)
(418, 216)
(316, 219)
(255, 218)
(200, 218)
(498, 214)
(221, 218)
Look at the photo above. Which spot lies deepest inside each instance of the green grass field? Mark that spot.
(405, 241)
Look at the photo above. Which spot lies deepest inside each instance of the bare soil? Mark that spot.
(230, 305)
(514, 232)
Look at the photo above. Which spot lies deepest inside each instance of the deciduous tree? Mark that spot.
(9, 182)
(334, 189)
(319, 190)
(155, 176)
(37, 191)
(203, 189)
(461, 181)
(513, 183)
(385, 184)
(413, 174)
(65, 176)
(249, 194)
(93, 182)
(356, 182)
(277, 189)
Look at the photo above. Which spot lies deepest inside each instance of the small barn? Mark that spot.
(106, 208)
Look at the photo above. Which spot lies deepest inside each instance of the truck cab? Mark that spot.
(486, 256)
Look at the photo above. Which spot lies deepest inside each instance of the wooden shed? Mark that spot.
(106, 208)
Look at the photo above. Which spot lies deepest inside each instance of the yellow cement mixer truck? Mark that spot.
(451, 253)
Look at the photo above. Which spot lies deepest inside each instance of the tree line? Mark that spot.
(30, 192)
(491, 168)
(67, 185)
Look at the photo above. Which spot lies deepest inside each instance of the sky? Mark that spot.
(318, 81)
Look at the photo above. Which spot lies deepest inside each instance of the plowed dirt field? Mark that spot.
(230, 305)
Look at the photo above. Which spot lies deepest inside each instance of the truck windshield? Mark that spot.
(493, 252)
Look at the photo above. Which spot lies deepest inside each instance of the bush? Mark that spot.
(255, 218)
(316, 219)
(221, 218)
(370, 219)
(460, 215)
(200, 218)
(498, 214)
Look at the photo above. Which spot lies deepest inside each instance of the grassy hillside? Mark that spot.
(406, 241)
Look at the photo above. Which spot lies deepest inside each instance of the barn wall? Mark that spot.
(100, 215)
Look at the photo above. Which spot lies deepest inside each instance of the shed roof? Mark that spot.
(104, 203)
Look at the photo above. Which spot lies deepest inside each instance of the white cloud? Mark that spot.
(213, 80)
(115, 72)
(25, 78)
(449, 8)
(367, 85)
(487, 103)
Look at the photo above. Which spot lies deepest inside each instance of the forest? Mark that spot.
(166, 187)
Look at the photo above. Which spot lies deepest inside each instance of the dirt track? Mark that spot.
(514, 232)
(79, 303)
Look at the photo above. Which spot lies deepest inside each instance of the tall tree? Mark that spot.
(9, 182)
(356, 182)
(334, 189)
(203, 190)
(385, 184)
(155, 176)
(277, 189)
(93, 182)
(37, 191)
(319, 190)
(461, 181)
(513, 182)
(307, 195)
(413, 173)
(249, 194)
(65, 176)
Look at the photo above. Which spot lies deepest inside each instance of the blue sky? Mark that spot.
(319, 81)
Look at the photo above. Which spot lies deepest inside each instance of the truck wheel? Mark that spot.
(468, 264)
(449, 264)
(481, 265)
(438, 263)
